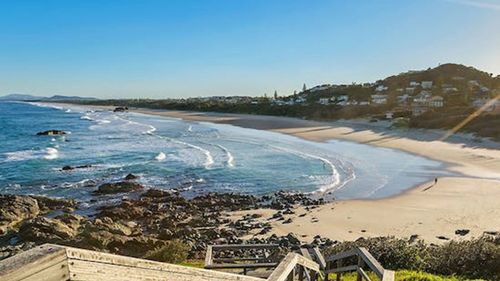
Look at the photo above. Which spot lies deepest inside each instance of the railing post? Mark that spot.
(301, 273)
(339, 264)
(361, 263)
(291, 275)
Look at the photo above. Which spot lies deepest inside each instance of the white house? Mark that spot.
(426, 84)
(379, 99)
(324, 101)
(414, 84)
(436, 101)
(381, 88)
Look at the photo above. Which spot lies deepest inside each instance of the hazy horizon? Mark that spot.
(155, 49)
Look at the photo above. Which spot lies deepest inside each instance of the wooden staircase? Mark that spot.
(60, 263)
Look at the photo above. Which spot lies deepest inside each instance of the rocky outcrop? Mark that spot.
(118, 187)
(51, 133)
(15, 209)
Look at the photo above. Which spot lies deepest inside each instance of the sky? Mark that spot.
(185, 48)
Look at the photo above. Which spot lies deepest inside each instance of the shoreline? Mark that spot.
(470, 201)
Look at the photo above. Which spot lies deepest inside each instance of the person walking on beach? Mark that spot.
(435, 181)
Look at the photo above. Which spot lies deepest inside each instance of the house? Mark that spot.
(423, 97)
(410, 90)
(342, 100)
(414, 84)
(436, 101)
(381, 88)
(379, 99)
(324, 101)
(426, 84)
(389, 115)
(403, 99)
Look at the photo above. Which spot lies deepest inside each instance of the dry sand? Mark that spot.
(471, 201)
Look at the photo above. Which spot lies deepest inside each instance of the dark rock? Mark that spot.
(118, 187)
(289, 220)
(131, 177)
(51, 133)
(120, 109)
(442, 238)
(462, 232)
(67, 168)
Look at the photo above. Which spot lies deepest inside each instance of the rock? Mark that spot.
(45, 230)
(289, 220)
(118, 187)
(120, 109)
(292, 238)
(51, 133)
(442, 238)
(15, 209)
(67, 168)
(462, 232)
(413, 238)
(131, 177)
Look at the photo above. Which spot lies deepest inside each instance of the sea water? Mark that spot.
(196, 157)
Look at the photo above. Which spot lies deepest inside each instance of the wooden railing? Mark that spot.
(295, 265)
(335, 264)
(268, 257)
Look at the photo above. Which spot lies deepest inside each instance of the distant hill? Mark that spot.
(20, 97)
(24, 97)
(445, 73)
(68, 98)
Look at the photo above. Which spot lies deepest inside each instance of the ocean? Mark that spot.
(195, 157)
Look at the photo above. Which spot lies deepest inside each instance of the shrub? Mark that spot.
(478, 258)
(174, 251)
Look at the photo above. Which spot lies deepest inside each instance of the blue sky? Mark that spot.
(159, 49)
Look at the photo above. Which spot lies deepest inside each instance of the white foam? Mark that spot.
(51, 153)
(209, 160)
(160, 157)
(19, 155)
(68, 110)
(190, 128)
(151, 130)
(229, 156)
(86, 117)
(334, 183)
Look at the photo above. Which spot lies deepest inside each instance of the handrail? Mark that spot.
(287, 267)
(364, 258)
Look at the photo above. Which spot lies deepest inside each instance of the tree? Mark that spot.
(275, 94)
(304, 88)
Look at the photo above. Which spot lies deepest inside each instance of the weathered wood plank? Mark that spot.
(363, 274)
(388, 275)
(29, 263)
(343, 269)
(242, 265)
(126, 263)
(244, 246)
(374, 265)
(285, 267)
(208, 256)
(307, 263)
(82, 270)
(305, 253)
(319, 257)
(343, 255)
(56, 272)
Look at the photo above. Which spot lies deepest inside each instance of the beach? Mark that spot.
(471, 201)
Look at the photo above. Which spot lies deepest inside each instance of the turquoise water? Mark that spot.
(197, 157)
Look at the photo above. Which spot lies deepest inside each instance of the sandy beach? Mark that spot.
(470, 202)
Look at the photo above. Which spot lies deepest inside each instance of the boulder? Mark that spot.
(118, 187)
(131, 177)
(462, 232)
